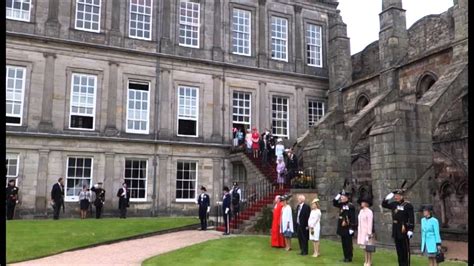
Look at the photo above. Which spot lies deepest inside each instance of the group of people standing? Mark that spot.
(308, 226)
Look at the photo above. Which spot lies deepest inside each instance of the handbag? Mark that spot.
(370, 247)
(287, 233)
(439, 257)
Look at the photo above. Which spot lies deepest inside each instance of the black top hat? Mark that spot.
(203, 188)
(100, 183)
(283, 197)
(226, 189)
(426, 207)
(365, 199)
(400, 190)
(345, 193)
(11, 180)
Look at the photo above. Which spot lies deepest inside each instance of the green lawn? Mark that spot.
(256, 250)
(28, 239)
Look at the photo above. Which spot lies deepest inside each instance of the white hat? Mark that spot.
(279, 140)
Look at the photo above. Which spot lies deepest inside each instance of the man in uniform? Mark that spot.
(226, 210)
(11, 196)
(57, 197)
(403, 223)
(99, 199)
(346, 224)
(236, 196)
(124, 196)
(204, 207)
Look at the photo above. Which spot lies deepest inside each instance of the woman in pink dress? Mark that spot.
(364, 229)
(255, 140)
(281, 171)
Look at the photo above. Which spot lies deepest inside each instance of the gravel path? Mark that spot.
(132, 252)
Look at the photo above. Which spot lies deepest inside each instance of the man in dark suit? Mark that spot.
(57, 197)
(124, 197)
(204, 207)
(226, 210)
(346, 223)
(291, 165)
(11, 196)
(403, 223)
(302, 230)
(99, 199)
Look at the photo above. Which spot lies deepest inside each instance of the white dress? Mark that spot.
(314, 222)
(286, 216)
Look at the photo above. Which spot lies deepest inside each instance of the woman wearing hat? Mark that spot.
(430, 237)
(277, 239)
(314, 225)
(248, 141)
(365, 226)
(281, 171)
(279, 148)
(286, 225)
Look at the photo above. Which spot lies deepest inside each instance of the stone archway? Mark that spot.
(361, 102)
(424, 84)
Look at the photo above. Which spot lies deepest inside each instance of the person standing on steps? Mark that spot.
(248, 141)
(281, 173)
(302, 229)
(291, 165)
(236, 194)
(345, 223)
(99, 199)
(11, 196)
(277, 240)
(403, 223)
(255, 142)
(279, 149)
(57, 197)
(315, 225)
(204, 207)
(240, 137)
(124, 196)
(226, 210)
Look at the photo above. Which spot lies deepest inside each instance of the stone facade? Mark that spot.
(51, 50)
(401, 107)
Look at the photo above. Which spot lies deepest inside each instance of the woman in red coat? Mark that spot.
(277, 238)
(255, 144)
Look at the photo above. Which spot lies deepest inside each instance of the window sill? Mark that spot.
(185, 201)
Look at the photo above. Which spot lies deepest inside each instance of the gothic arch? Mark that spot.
(425, 82)
(361, 102)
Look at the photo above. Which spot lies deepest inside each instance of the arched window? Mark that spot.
(361, 102)
(424, 84)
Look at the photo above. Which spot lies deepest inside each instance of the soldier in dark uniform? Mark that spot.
(346, 224)
(204, 207)
(403, 224)
(226, 210)
(11, 196)
(99, 199)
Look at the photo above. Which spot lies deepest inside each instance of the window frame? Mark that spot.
(287, 98)
(197, 112)
(147, 131)
(308, 25)
(198, 25)
(190, 200)
(23, 87)
(95, 101)
(18, 19)
(249, 33)
(146, 179)
(98, 22)
(130, 22)
(73, 198)
(308, 107)
(250, 108)
(17, 170)
(287, 40)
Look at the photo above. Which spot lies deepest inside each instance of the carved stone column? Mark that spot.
(217, 53)
(46, 123)
(42, 193)
(110, 183)
(299, 40)
(164, 115)
(52, 24)
(262, 34)
(115, 36)
(166, 45)
(216, 108)
(111, 125)
(263, 106)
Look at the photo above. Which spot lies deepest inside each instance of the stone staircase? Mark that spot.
(262, 178)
